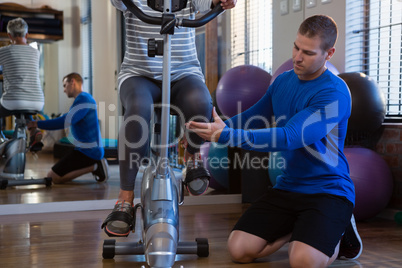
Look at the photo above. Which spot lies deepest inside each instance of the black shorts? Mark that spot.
(74, 160)
(318, 220)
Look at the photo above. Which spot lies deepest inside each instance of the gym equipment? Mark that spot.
(398, 217)
(372, 179)
(161, 193)
(368, 103)
(218, 164)
(204, 152)
(13, 155)
(240, 88)
(276, 164)
(288, 65)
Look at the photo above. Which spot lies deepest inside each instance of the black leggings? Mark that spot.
(189, 97)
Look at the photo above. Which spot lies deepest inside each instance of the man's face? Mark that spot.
(68, 87)
(308, 57)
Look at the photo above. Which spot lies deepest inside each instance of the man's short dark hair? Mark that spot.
(76, 76)
(322, 26)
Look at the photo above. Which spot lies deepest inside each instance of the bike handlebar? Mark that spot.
(184, 22)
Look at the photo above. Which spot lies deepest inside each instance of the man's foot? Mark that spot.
(35, 141)
(196, 177)
(121, 221)
(351, 244)
(102, 171)
(2, 137)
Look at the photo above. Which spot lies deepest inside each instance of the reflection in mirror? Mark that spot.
(74, 53)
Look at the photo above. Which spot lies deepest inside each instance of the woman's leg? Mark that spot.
(192, 98)
(137, 95)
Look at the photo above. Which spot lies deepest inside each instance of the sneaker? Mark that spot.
(196, 177)
(102, 171)
(120, 221)
(2, 137)
(351, 244)
(35, 141)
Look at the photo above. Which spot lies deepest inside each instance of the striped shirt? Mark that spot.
(22, 86)
(184, 59)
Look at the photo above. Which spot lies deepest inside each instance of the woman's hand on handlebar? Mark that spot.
(226, 4)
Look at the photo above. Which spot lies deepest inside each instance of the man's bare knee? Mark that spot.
(56, 179)
(239, 255)
(237, 250)
(303, 255)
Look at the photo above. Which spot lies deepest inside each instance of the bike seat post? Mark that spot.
(20, 125)
(163, 161)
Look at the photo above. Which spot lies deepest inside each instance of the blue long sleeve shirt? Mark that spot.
(82, 119)
(307, 122)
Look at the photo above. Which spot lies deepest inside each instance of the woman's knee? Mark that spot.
(193, 99)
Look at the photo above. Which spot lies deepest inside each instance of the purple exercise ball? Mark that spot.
(288, 65)
(240, 88)
(372, 179)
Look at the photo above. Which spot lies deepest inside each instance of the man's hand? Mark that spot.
(208, 131)
(32, 124)
(226, 4)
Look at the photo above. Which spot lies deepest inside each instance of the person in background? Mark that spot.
(310, 207)
(21, 84)
(82, 118)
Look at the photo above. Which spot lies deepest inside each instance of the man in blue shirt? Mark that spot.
(311, 205)
(82, 118)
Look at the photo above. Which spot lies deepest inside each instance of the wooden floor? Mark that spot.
(75, 239)
(82, 188)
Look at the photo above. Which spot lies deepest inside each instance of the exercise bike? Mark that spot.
(13, 155)
(161, 192)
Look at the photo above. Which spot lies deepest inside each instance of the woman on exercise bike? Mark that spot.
(140, 86)
(22, 89)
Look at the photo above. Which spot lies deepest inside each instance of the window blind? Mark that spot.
(86, 41)
(374, 46)
(251, 34)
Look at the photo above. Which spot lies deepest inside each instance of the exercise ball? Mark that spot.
(372, 179)
(275, 167)
(368, 102)
(218, 164)
(240, 88)
(288, 65)
(204, 151)
(398, 217)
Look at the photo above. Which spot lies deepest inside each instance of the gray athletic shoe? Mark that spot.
(121, 221)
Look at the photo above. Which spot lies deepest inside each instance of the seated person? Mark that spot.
(22, 88)
(82, 118)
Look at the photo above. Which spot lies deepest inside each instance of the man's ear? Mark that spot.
(330, 52)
